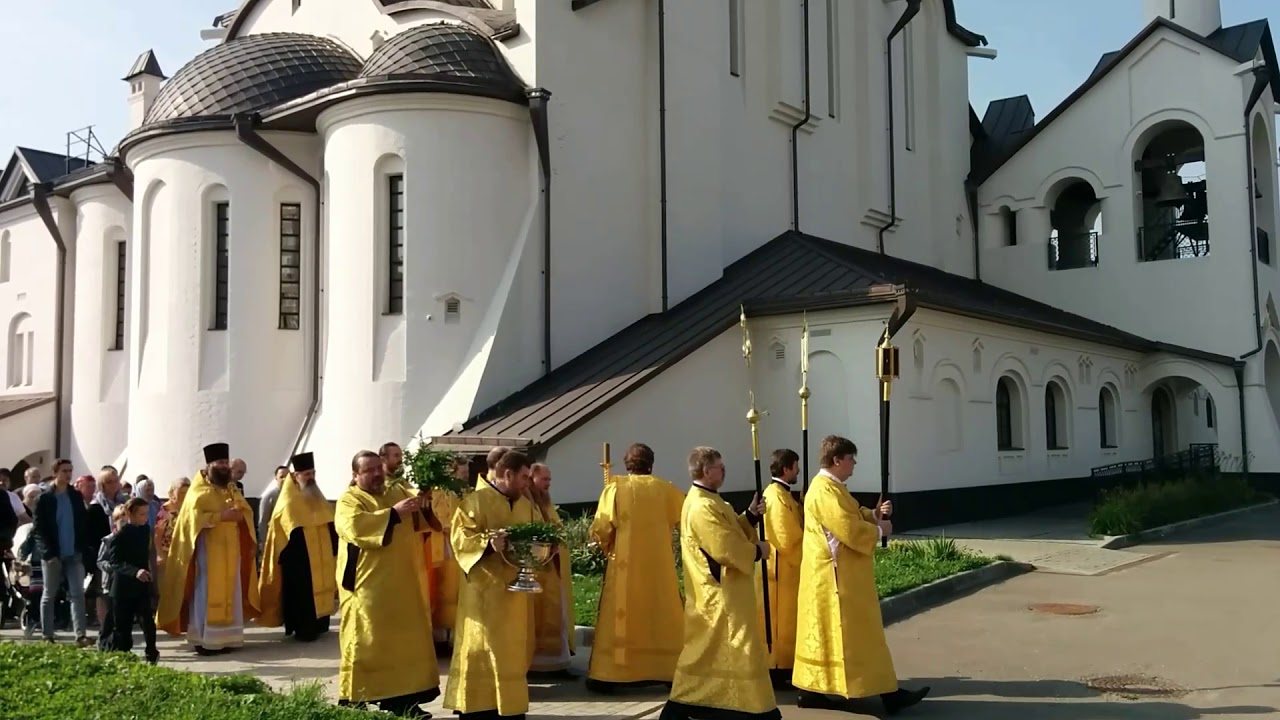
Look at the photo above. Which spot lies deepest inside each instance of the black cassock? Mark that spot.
(297, 602)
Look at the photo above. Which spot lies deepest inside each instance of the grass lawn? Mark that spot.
(1133, 509)
(900, 567)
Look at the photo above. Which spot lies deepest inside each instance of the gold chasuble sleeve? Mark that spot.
(295, 509)
(385, 631)
(492, 642)
(840, 643)
(784, 530)
(228, 543)
(444, 600)
(724, 663)
(639, 626)
(553, 607)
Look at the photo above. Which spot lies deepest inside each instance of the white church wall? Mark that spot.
(470, 199)
(1168, 78)
(194, 384)
(29, 436)
(100, 366)
(28, 301)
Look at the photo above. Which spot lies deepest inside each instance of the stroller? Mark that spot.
(23, 588)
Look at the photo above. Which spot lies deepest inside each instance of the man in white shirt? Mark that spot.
(267, 505)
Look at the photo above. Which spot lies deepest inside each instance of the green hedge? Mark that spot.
(60, 682)
(1124, 511)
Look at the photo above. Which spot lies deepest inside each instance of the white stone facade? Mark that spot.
(160, 360)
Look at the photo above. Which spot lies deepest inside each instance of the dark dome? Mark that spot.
(451, 52)
(250, 74)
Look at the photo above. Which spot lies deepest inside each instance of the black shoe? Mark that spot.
(780, 678)
(816, 701)
(900, 699)
(205, 652)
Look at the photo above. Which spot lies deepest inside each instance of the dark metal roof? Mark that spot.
(11, 405)
(146, 64)
(250, 74)
(48, 166)
(1238, 42)
(789, 274)
(498, 24)
(449, 52)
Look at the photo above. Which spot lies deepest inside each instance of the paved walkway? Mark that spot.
(1054, 540)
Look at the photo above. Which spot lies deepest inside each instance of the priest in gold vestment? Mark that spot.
(784, 531)
(210, 585)
(841, 652)
(385, 633)
(553, 617)
(723, 670)
(298, 585)
(444, 566)
(491, 649)
(491, 461)
(640, 626)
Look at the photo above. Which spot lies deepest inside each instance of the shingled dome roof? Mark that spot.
(250, 74)
(453, 53)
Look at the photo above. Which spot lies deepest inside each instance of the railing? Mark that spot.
(1173, 241)
(1197, 457)
(1081, 251)
(1264, 246)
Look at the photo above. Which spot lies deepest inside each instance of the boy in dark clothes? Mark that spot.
(133, 563)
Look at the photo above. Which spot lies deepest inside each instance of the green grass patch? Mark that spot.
(1124, 511)
(60, 681)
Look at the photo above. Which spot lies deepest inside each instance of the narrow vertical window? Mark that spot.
(735, 38)
(395, 244)
(221, 264)
(6, 255)
(290, 266)
(909, 88)
(117, 342)
(833, 60)
(1210, 412)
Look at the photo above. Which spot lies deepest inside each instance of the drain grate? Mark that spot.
(1135, 687)
(1064, 609)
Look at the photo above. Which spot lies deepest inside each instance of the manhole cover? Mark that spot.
(1063, 609)
(1134, 687)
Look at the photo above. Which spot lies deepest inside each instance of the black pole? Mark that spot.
(804, 457)
(764, 557)
(884, 450)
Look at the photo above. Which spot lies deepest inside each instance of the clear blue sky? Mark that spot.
(66, 57)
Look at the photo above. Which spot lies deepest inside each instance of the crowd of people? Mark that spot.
(412, 574)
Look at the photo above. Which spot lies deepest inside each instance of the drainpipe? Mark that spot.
(971, 196)
(1261, 78)
(1238, 366)
(662, 143)
(40, 198)
(538, 99)
(795, 129)
(248, 134)
(913, 8)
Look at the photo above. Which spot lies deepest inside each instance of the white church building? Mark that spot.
(533, 224)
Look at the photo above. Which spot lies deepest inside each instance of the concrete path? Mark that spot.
(1189, 634)
(1054, 540)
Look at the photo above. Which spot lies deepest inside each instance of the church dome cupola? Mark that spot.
(453, 54)
(250, 74)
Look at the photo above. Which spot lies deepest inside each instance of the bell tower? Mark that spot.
(144, 80)
(1202, 17)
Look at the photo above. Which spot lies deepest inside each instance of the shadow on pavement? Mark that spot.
(963, 686)
(1100, 710)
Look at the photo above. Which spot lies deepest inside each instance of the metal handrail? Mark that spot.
(1173, 241)
(1056, 261)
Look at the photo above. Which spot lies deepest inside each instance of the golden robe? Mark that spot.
(840, 643)
(295, 509)
(493, 643)
(724, 664)
(385, 632)
(554, 622)
(640, 625)
(229, 544)
(444, 598)
(784, 531)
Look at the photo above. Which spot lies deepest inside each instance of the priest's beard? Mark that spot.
(220, 476)
(311, 491)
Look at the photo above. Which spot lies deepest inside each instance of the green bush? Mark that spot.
(1129, 510)
(46, 681)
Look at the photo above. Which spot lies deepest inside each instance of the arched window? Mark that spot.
(22, 351)
(1008, 415)
(1173, 194)
(1210, 412)
(1107, 419)
(1056, 430)
(6, 256)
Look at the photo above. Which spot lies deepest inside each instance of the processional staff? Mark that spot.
(886, 372)
(606, 465)
(753, 418)
(804, 401)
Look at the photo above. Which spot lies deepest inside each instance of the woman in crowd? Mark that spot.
(166, 517)
(146, 489)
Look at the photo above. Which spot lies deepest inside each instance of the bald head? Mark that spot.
(238, 470)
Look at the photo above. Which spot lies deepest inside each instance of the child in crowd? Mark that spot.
(118, 520)
(132, 562)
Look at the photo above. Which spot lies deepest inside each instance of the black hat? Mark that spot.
(303, 462)
(217, 451)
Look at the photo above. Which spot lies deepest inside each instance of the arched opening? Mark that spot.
(1076, 223)
(22, 351)
(1271, 378)
(1057, 417)
(1264, 190)
(1172, 183)
(1108, 419)
(1008, 226)
(1009, 414)
(1164, 438)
